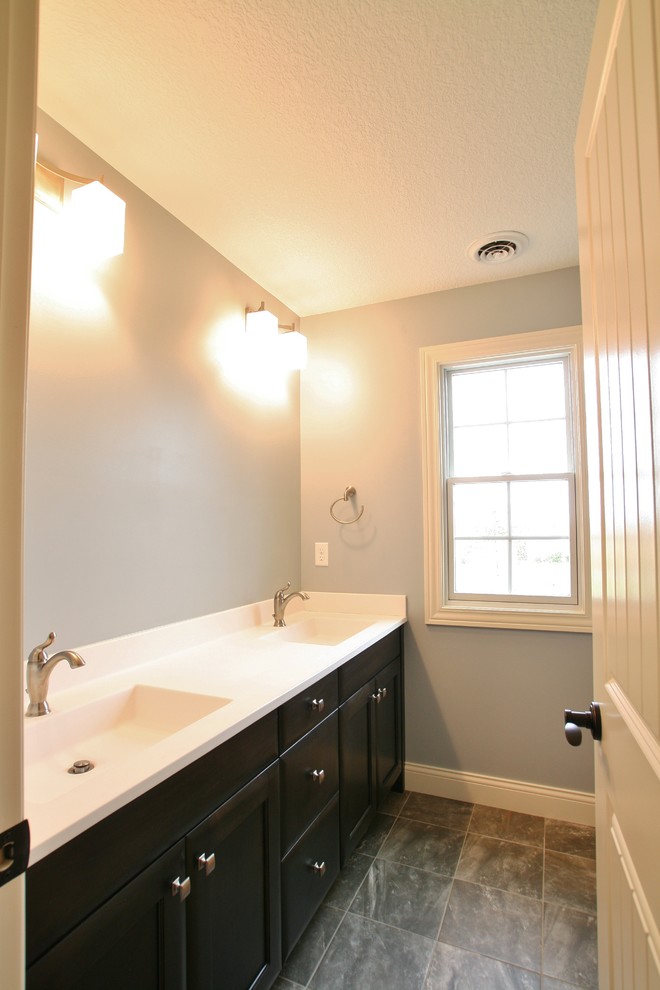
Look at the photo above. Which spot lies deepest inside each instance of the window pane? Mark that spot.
(538, 448)
(481, 567)
(536, 392)
(478, 397)
(479, 450)
(541, 567)
(540, 508)
(480, 510)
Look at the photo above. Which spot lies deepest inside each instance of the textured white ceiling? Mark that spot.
(340, 152)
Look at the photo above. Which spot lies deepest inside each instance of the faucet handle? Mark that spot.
(38, 654)
(281, 591)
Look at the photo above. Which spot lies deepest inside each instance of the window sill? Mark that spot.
(549, 620)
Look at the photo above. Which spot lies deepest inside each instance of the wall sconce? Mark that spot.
(95, 215)
(289, 348)
(261, 326)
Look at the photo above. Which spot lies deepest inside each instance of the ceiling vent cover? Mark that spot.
(493, 249)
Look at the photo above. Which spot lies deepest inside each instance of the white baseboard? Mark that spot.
(512, 795)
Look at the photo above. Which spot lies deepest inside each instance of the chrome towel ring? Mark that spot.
(348, 493)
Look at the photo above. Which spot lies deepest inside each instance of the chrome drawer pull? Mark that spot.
(318, 776)
(206, 863)
(181, 888)
(383, 693)
(378, 696)
(318, 704)
(319, 869)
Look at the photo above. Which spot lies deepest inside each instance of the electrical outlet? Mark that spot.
(321, 554)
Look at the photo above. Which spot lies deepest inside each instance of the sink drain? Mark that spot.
(81, 766)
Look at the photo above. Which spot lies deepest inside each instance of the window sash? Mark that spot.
(510, 539)
(436, 360)
(512, 361)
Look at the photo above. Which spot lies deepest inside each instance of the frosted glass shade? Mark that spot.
(261, 327)
(293, 350)
(97, 219)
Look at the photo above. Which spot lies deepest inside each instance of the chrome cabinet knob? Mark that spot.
(318, 704)
(206, 863)
(318, 776)
(319, 868)
(181, 888)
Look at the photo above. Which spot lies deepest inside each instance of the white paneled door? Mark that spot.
(18, 59)
(618, 182)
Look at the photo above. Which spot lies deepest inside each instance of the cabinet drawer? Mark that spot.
(308, 872)
(307, 709)
(310, 777)
(365, 665)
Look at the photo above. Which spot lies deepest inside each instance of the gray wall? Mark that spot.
(483, 701)
(154, 490)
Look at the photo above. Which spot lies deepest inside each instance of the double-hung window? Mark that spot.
(504, 499)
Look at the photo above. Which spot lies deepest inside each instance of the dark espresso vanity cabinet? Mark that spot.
(208, 880)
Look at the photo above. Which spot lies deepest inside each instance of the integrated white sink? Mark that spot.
(318, 629)
(149, 703)
(109, 729)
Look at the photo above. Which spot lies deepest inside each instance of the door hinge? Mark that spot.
(14, 851)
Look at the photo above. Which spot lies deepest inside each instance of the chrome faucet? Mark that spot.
(39, 669)
(280, 602)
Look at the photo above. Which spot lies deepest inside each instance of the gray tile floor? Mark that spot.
(446, 895)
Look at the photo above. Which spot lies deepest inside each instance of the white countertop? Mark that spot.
(234, 657)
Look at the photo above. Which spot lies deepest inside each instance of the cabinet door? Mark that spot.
(357, 792)
(234, 929)
(135, 941)
(389, 741)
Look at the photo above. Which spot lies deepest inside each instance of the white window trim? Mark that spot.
(439, 610)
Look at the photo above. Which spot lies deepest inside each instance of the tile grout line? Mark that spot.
(545, 826)
(428, 966)
(325, 951)
(534, 899)
(451, 888)
(347, 909)
(401, 815)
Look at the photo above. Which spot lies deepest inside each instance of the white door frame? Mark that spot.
(18, 84)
